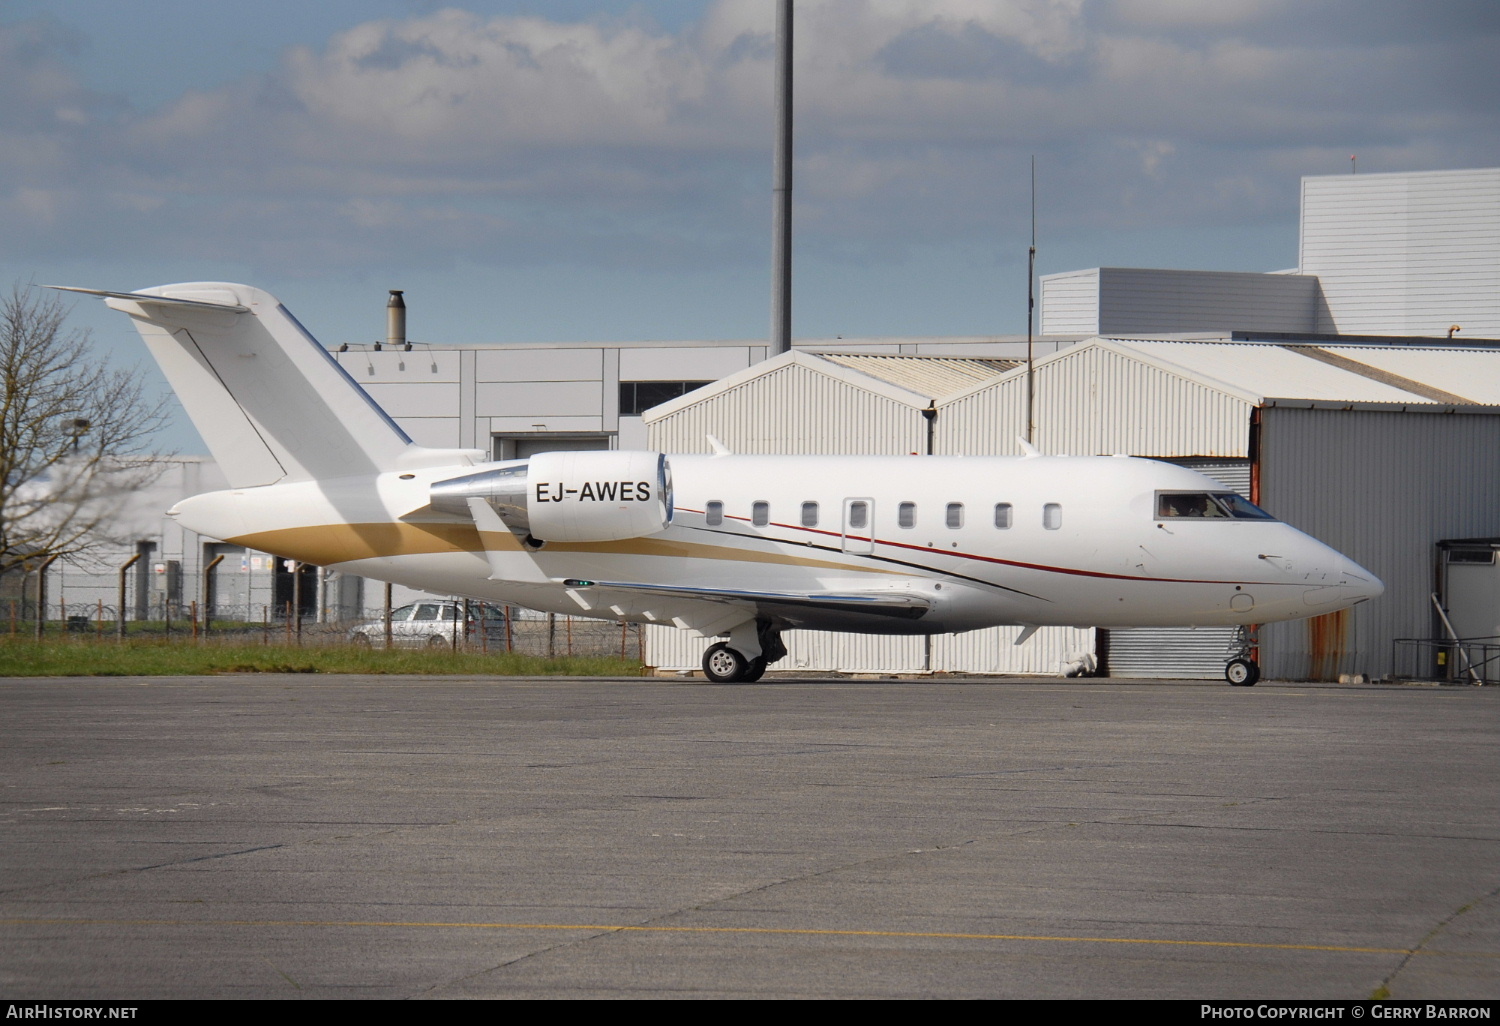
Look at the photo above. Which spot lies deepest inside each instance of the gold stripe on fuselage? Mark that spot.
(328, 544)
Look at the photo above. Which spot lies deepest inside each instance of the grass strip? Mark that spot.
(157, 658)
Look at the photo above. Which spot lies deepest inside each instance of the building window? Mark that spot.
(1002, 515)
(713, 516)
(636, 397)
(954, 517)
(1052, 516)
(906, 514)
(809, 514)
(760, 514)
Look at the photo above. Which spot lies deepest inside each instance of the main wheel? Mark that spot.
(1242, 673)
(755, 671)
(723, 665)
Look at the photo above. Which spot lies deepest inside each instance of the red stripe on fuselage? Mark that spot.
(985, 559)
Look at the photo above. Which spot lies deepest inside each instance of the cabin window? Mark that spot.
(1052, 516)
(1002, 515)
(906, 514)
(859, 515)
(713, 516)
(954, 516)
(760, 514)
(809, 514)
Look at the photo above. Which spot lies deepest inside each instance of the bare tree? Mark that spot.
(75, 433)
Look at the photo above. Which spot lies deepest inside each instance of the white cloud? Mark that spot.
(519, 138)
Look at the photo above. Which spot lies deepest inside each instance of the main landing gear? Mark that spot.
(744, 657)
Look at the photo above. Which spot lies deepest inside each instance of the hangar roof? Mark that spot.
(1265, 373)
(932, 376)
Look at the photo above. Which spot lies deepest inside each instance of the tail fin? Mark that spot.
(271, 403)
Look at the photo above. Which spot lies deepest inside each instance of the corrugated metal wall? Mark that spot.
(988, 651)
(1092, 401)
(1069, 303)
(1151, 301)
(795, 409)
(1405, 254)
(995, 650)
(670, 649)
(1382, 488)
(1142, 301)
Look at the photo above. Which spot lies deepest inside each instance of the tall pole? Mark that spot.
(1031, 317)
(781, 233)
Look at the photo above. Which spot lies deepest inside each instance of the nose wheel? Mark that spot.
(1242, 673)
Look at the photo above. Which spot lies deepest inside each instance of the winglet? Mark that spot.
(1028, 450)
(719, 448)
(1027, 629)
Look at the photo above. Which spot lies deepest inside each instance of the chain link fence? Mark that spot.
(471, 627)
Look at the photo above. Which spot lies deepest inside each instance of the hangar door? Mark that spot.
(1191, 653)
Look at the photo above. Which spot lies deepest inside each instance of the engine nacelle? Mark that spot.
(575, 496)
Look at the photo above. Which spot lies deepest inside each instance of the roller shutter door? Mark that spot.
(1191, 653)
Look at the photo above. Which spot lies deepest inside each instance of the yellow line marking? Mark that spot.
(620, 928)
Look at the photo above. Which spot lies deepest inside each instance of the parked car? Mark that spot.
(434, 623)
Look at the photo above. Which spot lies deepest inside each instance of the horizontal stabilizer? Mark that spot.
(142, 298)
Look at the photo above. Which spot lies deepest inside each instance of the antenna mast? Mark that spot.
(1031, 316)
(781, 230)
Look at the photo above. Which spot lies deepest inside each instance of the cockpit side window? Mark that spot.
(1240, 507)
(1207, 506)
(1195, 505)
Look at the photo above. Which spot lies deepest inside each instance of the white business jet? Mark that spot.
(733, 547)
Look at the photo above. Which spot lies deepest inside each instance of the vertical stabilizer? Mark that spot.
(270, 402)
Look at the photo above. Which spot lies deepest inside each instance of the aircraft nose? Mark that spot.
(1360, 582)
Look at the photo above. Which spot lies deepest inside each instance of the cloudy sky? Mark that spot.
(586, 169)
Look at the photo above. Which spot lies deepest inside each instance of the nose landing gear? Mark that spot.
(732, 661)
(1242, 671)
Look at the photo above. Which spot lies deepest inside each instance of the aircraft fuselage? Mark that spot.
(974, 541)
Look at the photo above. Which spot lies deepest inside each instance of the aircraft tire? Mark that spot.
(755, 671)
(723, 665)
(1242, 673)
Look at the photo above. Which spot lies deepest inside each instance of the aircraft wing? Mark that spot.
(793, 605)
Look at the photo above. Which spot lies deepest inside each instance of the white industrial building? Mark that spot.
(1386, 254)
(1331, 393)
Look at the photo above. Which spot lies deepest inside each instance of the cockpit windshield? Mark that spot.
(1207, 506)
